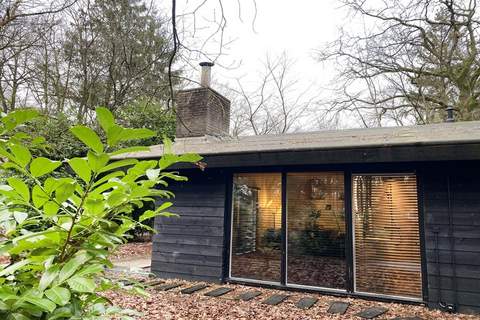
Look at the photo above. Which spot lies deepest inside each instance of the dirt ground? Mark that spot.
(174, 305)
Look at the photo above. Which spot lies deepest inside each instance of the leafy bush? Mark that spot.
(60, 229)
(151, 115)
(61, 143)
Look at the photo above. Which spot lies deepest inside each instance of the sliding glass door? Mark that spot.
(316, 229)
(256, 226)
(386, 235)
(313, 240)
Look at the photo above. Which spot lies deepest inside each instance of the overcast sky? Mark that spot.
(295, 27)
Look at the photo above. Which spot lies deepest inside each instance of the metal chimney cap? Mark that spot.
(450, 114)
(206, 64)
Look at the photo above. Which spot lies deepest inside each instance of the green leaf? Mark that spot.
(150, 214)
(20, 216)
(22, 155)
(153, 174)
(118, 164)
(136, 134)
(72, 265)
(4, 306)
(61, 313)
(94, 204)
(19, 316)
(97, 161)
(20, 187)
(39, 197)
(88, 137)
(43, 304)
(117, 133)
(167, 160)
(129, 150)
(14, 267)
(64, 191)
(90, 269)
(115, 198)
(50, 208)
(61, 296)
(105, 118)
(109, 176)
(48, 276)
(114, 135)
(41, 166)
(81, 168)
(18, 117)
(190, 158)
(82, 284)
(49, 238)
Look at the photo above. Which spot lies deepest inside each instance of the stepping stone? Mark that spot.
(306, 303)
(218, 292)
(246, 296)
(153, 282)
(275, 299)
(127, 282)
(338, 307)
(194, 288)
(167, 287)
(371, 313)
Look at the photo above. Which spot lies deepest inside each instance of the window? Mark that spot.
(385, 239)
(316, 229)
(256, 226)
(387, 242)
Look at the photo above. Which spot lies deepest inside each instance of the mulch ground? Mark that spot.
(132, 250)
(174, 305)
(124, 252)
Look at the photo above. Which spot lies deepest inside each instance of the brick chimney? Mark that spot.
(202, 111)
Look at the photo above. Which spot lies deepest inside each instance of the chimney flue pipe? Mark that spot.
(206, 75)
(450, 114)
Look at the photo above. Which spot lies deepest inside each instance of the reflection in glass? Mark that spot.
(387, 241)
(316, 229)
(256, 226)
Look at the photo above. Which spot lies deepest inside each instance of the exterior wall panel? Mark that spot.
(452, 236)
(190, 246)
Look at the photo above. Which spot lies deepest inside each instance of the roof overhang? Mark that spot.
(444, 141)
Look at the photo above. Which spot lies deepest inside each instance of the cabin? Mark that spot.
(382, 213)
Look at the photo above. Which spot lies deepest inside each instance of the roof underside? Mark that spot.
(432, 134)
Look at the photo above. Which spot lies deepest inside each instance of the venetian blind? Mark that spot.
(387, 244)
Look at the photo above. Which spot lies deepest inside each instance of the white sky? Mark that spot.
(295, 27)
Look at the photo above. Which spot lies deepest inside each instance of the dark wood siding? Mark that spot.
(191, 246)
(452, 236)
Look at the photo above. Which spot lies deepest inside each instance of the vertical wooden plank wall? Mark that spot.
(190, 246)
(452, 234)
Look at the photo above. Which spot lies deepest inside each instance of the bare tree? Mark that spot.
(413, 59)
(276, 103)
(12, 10)
(199, 34)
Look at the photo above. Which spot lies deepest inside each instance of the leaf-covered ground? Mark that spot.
(132, 250)
(174, 305)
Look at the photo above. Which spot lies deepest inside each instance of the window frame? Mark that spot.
(349, 170)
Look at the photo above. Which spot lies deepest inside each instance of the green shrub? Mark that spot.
(59, 229)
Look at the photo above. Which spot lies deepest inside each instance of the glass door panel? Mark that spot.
(316, 229)
(386, 235)
(256, 226)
